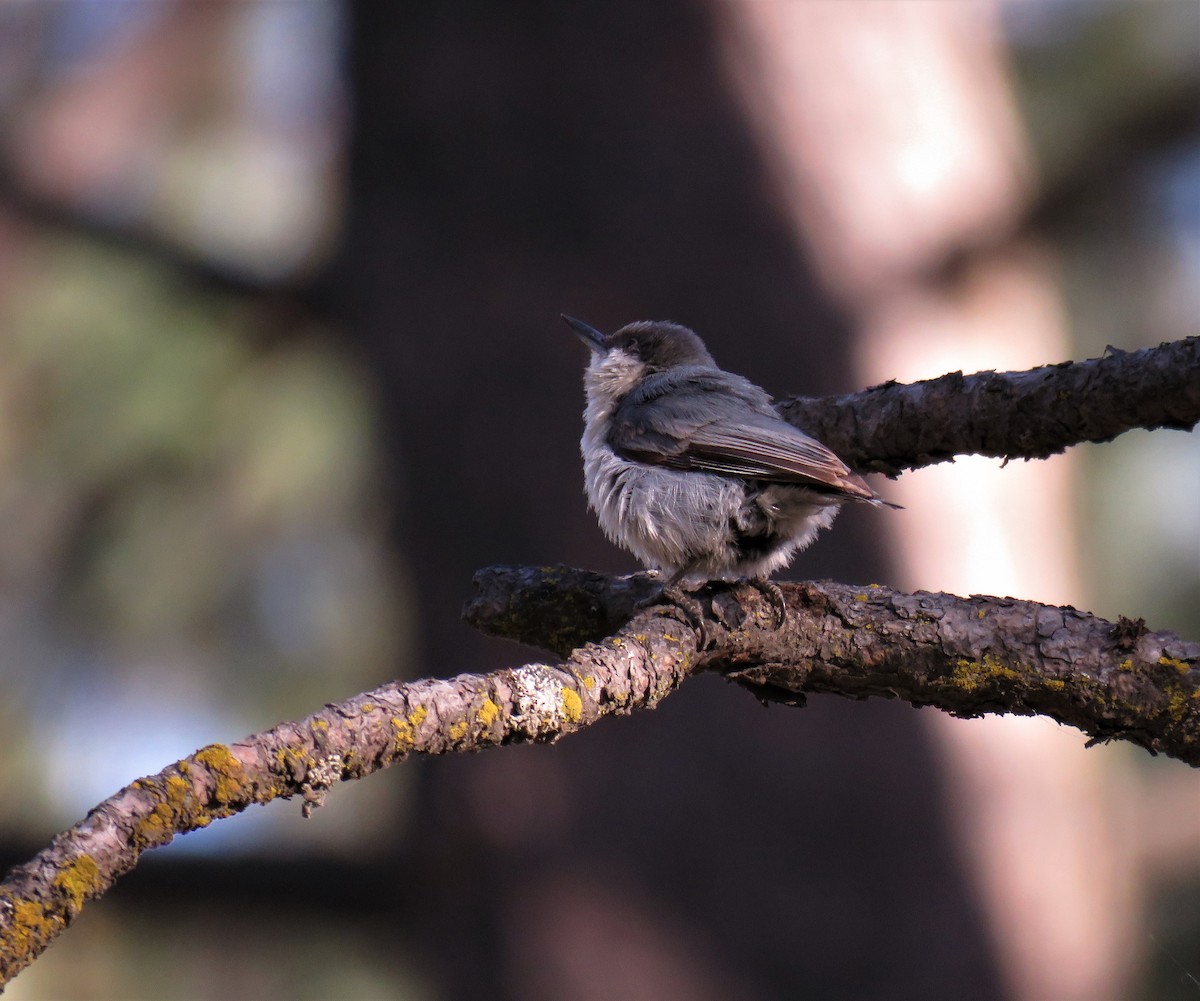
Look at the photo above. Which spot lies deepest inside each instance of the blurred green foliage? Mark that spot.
(182, 492)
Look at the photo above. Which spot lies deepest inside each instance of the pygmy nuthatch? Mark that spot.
(691, 468)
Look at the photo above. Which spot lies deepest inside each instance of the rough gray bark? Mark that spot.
(634, 668)
(1010, 415)
(966, 656)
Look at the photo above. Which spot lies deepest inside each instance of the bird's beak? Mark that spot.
(589, 335)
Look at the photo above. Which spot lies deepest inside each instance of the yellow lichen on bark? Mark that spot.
(232, 787)
(79, 880)
(487, 714)
(572, 705)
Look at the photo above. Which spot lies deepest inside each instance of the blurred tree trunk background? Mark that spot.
(500, 174)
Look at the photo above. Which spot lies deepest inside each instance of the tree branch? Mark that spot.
(633, 669)
(1010, 415)
(967, 656)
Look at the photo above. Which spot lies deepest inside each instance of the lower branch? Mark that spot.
(966, 656)
(633, 669)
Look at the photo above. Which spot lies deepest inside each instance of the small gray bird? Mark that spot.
(691, 468)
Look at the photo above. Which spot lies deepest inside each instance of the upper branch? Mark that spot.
(1010, 415)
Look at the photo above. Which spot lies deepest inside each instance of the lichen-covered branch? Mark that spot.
(1011, 415)
(633, 668)
(967, 656)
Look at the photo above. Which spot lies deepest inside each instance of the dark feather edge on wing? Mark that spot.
(761, 453)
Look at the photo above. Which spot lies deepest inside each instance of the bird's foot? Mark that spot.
(681, 605)
(774, 594)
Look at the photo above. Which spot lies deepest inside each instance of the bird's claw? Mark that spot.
(682, 606)
(774, 595)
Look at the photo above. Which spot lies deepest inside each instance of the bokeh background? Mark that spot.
(280, 367)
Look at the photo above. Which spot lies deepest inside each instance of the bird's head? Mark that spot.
(638, 349)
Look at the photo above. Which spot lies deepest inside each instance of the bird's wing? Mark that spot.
(724, 425)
